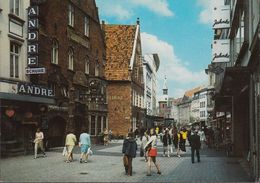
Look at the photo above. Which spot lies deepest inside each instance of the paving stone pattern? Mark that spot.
(106, 166)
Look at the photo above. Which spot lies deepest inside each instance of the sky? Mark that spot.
(179, 31)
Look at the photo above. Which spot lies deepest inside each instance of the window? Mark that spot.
(71, 59)
(71, 15)
(15, 7)
(86, 26)
(87, 66)
(54, 53)
(93, 125)
(14, 60)
(97, 69)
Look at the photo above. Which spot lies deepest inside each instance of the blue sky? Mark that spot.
(178, 30)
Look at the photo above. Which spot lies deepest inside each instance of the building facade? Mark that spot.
(236, 69)
(124, 73)
(72, 50)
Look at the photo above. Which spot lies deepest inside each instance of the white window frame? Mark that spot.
(55, 52)
(71, 59)
(14, 59)
(15, 7)
(71, 15)
(86, 26)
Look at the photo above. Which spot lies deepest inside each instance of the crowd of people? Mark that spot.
(173, 140)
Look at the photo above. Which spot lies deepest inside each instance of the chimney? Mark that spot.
(138, 21)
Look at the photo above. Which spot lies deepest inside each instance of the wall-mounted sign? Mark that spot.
(29, 89)
(37, 70)
(57, 108)
(221, 50)
(221, 17)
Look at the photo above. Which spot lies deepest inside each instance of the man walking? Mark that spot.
(195, 146)
(84, 144)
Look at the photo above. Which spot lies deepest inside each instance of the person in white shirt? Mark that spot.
(38, 142)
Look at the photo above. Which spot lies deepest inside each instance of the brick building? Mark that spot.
(124, 73)
(72, 49)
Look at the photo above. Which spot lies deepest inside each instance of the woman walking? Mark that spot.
(38, 142)
(144, 139)
(151, 147)
(70, 144)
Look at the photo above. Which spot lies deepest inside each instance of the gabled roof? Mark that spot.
(191, 92)
(120, 49)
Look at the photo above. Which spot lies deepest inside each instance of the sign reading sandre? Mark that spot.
(32, 47)
(30, 89)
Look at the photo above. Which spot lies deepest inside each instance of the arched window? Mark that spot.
(87, 66)
(97, 69)
(55, 52)
(71, 59)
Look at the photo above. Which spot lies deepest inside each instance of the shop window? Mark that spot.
(14, 60)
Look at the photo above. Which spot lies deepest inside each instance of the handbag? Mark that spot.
(125, 160)
(152, 152)
(64, 152)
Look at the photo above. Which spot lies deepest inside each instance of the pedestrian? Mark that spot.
(38, 142)
(166, 143)
(175, 137)
(70, 144)
(181, 141)
(129, 152)
(144, 139)
(195, 146)
(202, 137)
(151, 147)
(106, 138)
(84, 144)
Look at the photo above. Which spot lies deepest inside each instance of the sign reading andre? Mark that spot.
(29, 89)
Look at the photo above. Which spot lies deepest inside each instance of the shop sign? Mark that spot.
(29, 89)
(221, 51)
(29, 70)
(57, 108)
(221, 17)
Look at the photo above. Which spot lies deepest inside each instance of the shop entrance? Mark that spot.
(56, 132)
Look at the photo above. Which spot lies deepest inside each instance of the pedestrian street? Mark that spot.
(105, 165)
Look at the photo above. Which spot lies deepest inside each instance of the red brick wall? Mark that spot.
(119, 107)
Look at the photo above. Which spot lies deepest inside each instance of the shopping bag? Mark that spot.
(125, 160)
(90, 152)
(64, 152)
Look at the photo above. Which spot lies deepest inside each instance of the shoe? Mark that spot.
(148, 174)
(168, 156)
(193, 162)
(80, 161)
(163, 155)
(34, 157)
(44, 155)
(85, 161)
(159, 172)
(179, 156)
(67, 161)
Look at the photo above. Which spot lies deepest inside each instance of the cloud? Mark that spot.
(205, 16)
(159, 7)
(124, 10)
(170, 65)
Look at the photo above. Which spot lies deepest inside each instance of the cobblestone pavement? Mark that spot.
(105, 165)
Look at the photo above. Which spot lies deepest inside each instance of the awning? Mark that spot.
(27, 98)
(236, 80)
